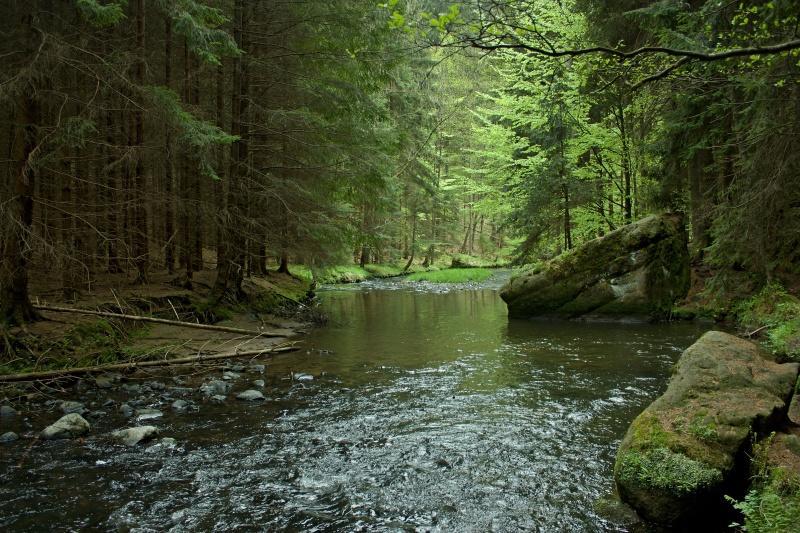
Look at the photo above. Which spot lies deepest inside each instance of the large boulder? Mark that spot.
(637, 270)
(689, 447)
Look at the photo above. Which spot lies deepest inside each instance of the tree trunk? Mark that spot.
(15, 304)
(140, 244)
(169, 215)
(228, 283)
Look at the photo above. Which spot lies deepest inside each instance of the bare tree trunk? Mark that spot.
(15, 304)
(140, 244)
(228, 284)
(169, 215)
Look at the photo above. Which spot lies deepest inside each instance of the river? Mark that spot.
(428, 410)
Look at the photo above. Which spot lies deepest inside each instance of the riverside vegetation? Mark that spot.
(215, 162)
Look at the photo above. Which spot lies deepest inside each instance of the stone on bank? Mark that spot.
(688, 448)
(637, 270)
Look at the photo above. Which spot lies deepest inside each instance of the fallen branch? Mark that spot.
(51, 374)
(748, 335)
(138, 318)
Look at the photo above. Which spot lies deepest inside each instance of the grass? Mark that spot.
(452, 275)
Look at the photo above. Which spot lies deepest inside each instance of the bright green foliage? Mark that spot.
(661, 468)
(779, 313)
(202, 27)
(102, 14)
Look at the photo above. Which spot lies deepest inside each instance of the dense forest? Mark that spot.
(207, 165)
(181, 135)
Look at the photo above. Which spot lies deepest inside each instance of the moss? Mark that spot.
(662, 469)
(648, 432)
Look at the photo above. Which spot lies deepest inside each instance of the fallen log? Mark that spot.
(178, 323)
(52, 374)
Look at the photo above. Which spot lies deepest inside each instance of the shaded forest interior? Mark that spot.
(158, 139)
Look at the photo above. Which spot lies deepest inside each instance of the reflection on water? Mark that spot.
(431, 411)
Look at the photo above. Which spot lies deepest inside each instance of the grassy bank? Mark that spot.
(452, 275)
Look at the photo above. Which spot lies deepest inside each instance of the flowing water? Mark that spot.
(428, 410)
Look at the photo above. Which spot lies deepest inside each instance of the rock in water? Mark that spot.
(6, 411)
(250, 395)
(637, 270)
(679, 456)
(71, 425)
(72, 407)
(9, 436)
(133, 436)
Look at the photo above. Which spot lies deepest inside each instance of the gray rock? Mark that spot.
(181, 391)
(236, 367)
(9, 436)
(216, 388)
(723, 392)
(69, 425)
(109, 403)
(156, 385)
(302, 377)
(133, 388)
(638, 270)
(135, 435)
(126, 410)
(103, 382)
(259, 369)
(6, 411)
(148, 414)
(259, 383)
(230, 375)
(180, 405)
(218, 398)
(250, 395)
(72, 407)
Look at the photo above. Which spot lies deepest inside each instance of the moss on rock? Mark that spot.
(639, 270)
(681, 452)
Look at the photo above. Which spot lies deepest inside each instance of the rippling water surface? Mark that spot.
(429, 410)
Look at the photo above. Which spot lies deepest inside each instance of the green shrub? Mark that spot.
(779, 312)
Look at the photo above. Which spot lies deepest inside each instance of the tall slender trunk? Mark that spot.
(15, 304)
(228, 283)
(169, 212)
(140, 244)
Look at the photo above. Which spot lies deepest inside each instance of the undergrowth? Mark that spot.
(773, 503)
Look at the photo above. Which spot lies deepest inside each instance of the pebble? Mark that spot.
(259, 383)
(230, 375)
(109, 403)
(6, 411)
(126, 410)
(133, 388)
(103, 382)
(180, 405)
(302, 377)
(218, 398)
(133, 436)
(72, 407)
(9, 436)
(250, 395)
(216, 388)
(148, 414)
(257, 368)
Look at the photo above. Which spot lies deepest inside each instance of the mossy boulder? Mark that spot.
(685, 451)
(638, 270)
